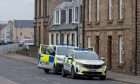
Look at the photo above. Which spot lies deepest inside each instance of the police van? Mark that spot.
(50, 57)
(83, 62)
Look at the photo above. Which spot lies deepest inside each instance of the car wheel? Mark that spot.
(46, 71)
(55, 71)
(73, 74)
(102, 77)
(63, 73)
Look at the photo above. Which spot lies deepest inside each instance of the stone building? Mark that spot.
(64, 29)
(22, 29)
(44, 19)
(112, 28)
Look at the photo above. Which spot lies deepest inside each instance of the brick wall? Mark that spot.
(114, 28)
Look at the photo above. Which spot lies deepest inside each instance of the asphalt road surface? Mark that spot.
(14, 71)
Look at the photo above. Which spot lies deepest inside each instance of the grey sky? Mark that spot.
(16, 9)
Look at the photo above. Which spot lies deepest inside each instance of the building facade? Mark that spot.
(22, 29)
(110, 27)
(44, 19)
(64, 29)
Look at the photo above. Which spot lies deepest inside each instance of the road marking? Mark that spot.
(6, 81)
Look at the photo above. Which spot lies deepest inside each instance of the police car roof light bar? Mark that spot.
(83, 49)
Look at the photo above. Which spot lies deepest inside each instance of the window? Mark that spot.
(89, 41)
(62, 38)
(39, 8)
(90, 10)
(121, 9)
(57, 17)
(52, 39)
(109, 9)
(42, 7)
(97, 44)
(76, 14)
(98, 10)
(63, 16)
(73, 39)
(120, 48)
(70, 15)
(20, 33)
(57, 39)
(68, 36)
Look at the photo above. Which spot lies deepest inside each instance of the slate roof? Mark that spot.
(23, 23)
(64, 27)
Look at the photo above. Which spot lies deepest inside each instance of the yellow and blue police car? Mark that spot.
(82, 62)
(50, 57)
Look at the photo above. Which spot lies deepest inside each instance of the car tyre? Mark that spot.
(63, 73)
(102, 77)
(73, 74)
(55, 71)
(46, 71)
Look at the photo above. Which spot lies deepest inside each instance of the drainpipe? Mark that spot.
(83, 34)
(136, 39)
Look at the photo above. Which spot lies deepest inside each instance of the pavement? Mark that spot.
(110, 75)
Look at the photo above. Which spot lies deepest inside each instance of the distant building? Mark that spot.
(23, 29)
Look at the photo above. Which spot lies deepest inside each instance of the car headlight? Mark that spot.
(79, 64)
(104, 65)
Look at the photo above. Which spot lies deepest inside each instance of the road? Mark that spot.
(15, 71)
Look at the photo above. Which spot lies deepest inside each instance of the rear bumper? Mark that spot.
(59, 67)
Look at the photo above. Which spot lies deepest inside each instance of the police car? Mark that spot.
(50, 57)
(83, 63)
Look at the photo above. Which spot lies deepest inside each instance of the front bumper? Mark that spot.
(90, 72)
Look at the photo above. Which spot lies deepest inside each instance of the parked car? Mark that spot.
(50, 57)
(27, 43)
(1, 42)
(84, 63)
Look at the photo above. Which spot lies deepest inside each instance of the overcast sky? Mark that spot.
(16, 9)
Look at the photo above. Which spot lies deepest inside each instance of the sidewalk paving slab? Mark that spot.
(110, 75)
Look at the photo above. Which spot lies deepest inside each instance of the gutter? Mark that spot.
(136, 35)
(83, 34)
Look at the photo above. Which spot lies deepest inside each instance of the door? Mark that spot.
(109, 64)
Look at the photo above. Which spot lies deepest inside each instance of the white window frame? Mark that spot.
(67, 16)
(55, 17)
(42, 7)
(74, 15)
(98, 10)
(110, 9)
(120, 49)
(89, 41)
(121, 9)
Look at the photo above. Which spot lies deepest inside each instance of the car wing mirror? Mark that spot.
(70, 57)
(102, 58)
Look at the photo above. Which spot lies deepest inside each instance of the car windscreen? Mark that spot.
(62, 50)
(29, 41)
(86, 56)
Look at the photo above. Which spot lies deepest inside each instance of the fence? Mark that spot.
(4, 49)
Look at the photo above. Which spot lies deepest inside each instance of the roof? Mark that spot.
(64, 27)
(23, 23)
(67, 5)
